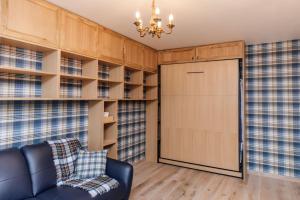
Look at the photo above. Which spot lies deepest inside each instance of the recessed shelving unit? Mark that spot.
(110, 82)
(78, 76)
(150, 86)
(133, 83)
(110, 126)
(27, 71)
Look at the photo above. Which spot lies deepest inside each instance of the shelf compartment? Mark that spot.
(29, 68)
(109, 120)
(150, 79)
(110, 72)
(150, 93)
(133, 92)
(109, 90)
(133, 76)
(109, 142)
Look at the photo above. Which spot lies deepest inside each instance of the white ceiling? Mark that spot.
(198, 21)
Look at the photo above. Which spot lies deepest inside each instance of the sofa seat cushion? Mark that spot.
(15, 181)
(69, 193)
(41, 167)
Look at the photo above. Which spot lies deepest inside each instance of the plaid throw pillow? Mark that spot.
(65, 152)
(91, 164)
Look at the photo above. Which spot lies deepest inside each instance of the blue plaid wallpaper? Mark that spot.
(26, 122)
(273, 107)
(19, 85)
(131, 130)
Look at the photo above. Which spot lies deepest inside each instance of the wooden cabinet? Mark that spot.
(78, 34)
(133, 53)
(176, 56)
(229, 50)
(30, 20)
(110, 46)
(150, 59)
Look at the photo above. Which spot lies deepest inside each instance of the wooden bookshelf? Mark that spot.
(102, 133)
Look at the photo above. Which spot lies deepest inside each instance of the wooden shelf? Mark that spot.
(16, 70)
(150, 85)
(109, 81)
(77, 77)
(109, 142)
(132, 83)
(108, 121)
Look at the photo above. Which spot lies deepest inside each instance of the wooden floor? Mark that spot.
(154, 181)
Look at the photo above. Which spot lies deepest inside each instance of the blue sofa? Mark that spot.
(30, 174)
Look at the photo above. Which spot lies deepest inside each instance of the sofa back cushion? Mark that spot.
(41, 167)
(15, 181)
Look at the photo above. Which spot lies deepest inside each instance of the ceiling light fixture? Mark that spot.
(155, 28)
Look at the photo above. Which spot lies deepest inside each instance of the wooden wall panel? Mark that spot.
(199, 105)
(110, 46)
(78, 34)
(30, 20)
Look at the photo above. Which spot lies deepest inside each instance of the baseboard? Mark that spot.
(274, 176)
(202, 168)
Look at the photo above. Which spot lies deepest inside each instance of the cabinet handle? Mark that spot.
(193, 58)
(195, 72)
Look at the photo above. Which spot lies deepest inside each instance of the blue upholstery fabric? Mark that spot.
(122, 172)
(43, 175)
(14, 176)
(41, 167)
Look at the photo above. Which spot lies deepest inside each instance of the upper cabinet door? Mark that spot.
(176, 56)
(111, 46)
(30, 20)
(78, 34)
(150, 59)
(133, 53)
(228, 50)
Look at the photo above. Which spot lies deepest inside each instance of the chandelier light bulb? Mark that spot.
(137, 15)
(157, 11)
(159, 24)
(171, 19)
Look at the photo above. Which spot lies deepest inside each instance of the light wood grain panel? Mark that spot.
(167, 182)
(133, 53)
(78, 34)
(176, 56)
(150, 59)
(228, 50)
(25, 20)
(200, 113)
(151, 130)
(110, 46)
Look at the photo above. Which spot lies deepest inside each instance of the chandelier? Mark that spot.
(155, 28)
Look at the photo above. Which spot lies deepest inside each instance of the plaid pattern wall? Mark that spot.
(18, 85)
(23, 123)
(71, 66)
(103, 71)
(131, 130)
(273, 107)
(70, 88)
(103, 90)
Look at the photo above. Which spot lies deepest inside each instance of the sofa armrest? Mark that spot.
(122, 172)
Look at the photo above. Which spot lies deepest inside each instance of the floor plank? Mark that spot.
(165, 182)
